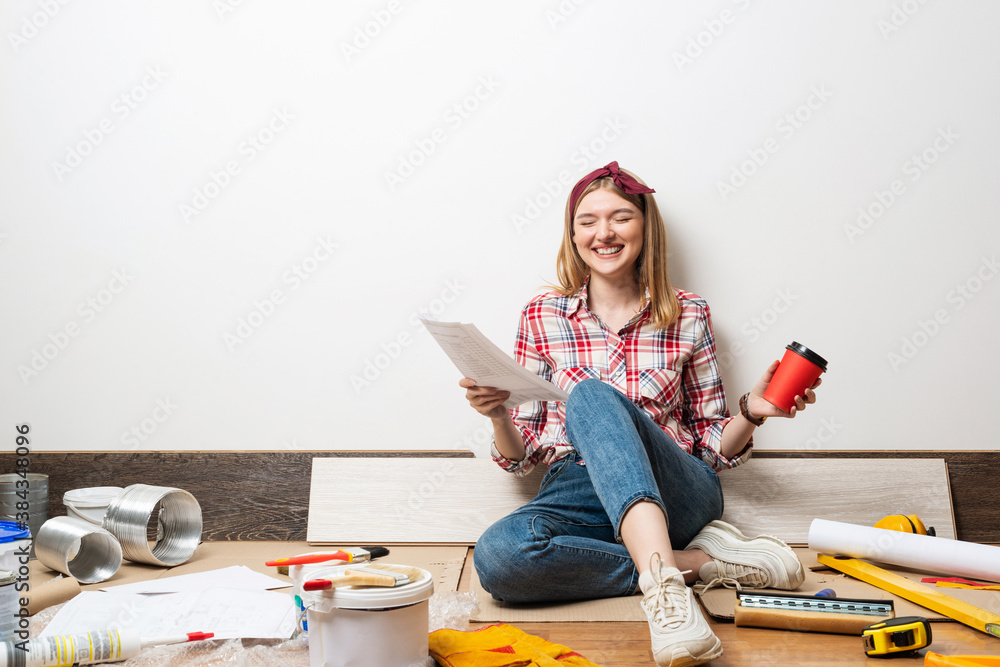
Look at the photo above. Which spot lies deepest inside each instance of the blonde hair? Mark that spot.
(651, 265)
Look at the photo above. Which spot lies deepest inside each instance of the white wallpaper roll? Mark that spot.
(920, 552)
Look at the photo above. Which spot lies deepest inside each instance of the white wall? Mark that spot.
(130, 260)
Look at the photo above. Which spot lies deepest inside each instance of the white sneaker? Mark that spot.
(740, 561)
(679, 632)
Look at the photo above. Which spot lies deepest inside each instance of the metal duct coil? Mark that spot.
(25, 494)
(178, 524)
(79, 549)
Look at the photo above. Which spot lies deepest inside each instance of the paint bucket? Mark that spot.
(368, 625)
(24, 498)
(304, 572)
(9, 603)
(90, 504)
(14, 541)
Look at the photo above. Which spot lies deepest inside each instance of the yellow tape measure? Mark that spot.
(896, 635)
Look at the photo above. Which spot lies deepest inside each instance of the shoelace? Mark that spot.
(670, 606)
(730, 576)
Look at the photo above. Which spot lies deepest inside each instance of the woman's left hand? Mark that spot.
(761, 408)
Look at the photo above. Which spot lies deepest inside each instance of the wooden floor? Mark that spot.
(627, 644)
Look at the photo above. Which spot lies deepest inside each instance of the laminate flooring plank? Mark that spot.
(406, 501)
(782, 496)
(452, 501)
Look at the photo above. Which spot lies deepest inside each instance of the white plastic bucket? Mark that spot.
(302, 573)
(90, 504)
(358, 625)
(9, 603)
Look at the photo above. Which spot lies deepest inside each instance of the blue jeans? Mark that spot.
(565, 543)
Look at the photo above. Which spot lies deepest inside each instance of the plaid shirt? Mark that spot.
(671, 374)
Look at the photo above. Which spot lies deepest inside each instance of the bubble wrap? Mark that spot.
(452, 610)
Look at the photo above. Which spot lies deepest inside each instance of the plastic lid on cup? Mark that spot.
(808, 354)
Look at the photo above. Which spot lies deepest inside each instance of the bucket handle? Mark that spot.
(79, 512)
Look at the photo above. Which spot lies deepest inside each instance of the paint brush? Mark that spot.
(359, 577)
(355, 555)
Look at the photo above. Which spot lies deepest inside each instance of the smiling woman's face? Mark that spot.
(608, 232)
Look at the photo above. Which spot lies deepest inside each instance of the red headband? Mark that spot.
(626, 183)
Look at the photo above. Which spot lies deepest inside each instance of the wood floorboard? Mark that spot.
(628, 644)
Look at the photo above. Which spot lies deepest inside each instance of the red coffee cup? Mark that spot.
(798, 370)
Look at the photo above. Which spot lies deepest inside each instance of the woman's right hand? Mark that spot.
(487, 401)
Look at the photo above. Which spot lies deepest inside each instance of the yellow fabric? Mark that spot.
(932, 659)
(500, 645)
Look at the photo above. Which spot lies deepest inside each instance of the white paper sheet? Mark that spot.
(237, 576)
(478, 358)
(919, 552)
(229, 613)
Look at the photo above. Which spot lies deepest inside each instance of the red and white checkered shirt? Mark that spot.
(672, 374)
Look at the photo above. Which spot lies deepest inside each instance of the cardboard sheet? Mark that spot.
(444, 563)
(720, 603)
(611, 609)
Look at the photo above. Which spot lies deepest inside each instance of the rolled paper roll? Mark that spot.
(920, 552)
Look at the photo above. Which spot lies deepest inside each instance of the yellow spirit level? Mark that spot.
(896, 635)
(925, 596)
